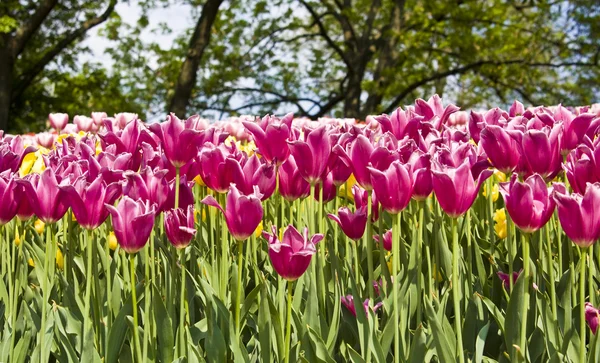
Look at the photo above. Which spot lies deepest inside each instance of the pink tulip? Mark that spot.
(271, 136)
(250, 172)
(10, 195)
(179, 226)
(83, 123)
(88, 200)
(393, 186)
(45, 139)
(291, 256)
(528, 203)
(541, 151)
(58, 120)
(291, 184)
(578, 214)
(387, 240)
(348, 302)
(456, 189)
(45, 196)
(312, 154)
(180, 142)
(132, 222)
(352, 224)
(243, 213)
(592, 317)
(147, 185)
(502, 147)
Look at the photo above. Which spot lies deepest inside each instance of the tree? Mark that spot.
(353, 58)
(198, 43)
(35, 33)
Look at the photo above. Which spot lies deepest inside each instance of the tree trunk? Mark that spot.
(6, 70)
(198, 43)
(352, 97)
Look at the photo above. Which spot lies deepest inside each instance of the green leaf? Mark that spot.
(445, 352)
(514, 317)
(165, 339)
(264, 326)
(480, 343)
(418, 349)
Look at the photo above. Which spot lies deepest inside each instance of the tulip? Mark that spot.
(422, 177)
(393, 186)
(387, 240)
(45, 196)
(312, 155)
(83, 123)
(132, 222)
(126, 141)
(58, 120)
(186, 195)
(541, 151)
(98, 118)
(243, 213)
(501, 147)
(456, 189)
(291, 184)
(9, 195)
(12, 153)
(45, 139)
(577, 214)
(213, 169)
(147, 185)
(252, 172)
(352, 224)
(592, 317)
(179, 226)
(504, 277)
(271, 136)
(329, 191)
(291, 256)
(348, 302)
(581, 167)
(528, 203)
(180, 143)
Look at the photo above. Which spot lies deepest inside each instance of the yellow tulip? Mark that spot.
(495, 191)
(17, 239)
(199, 181)
(112, 241)
(346, 188)
(60, 260)
(259, 230)
(500, 227)
(39, 226)
(499, 176)
(30, 262)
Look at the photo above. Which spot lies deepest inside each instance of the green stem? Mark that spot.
(16, 291)
(88, 285)
(395, 282)
(136, 338)
(582, 327)
(182, 341)
(509, 247)
(369, 245)
(147, 299)
(322, 248)
(288, 323)
(551, 272)
(238, 296)
(525, 238)
(421, 227)
(469, 251)
(107, 272)
(45, 289)
(456, 292)
(356, 265)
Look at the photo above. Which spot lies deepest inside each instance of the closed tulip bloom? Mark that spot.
(179, 226)
(541, 151)
(348, 302)
(455, 188)
(352, 224)
(291, 256)
(98, 118)
(291, 184)
(45, 139)
(24, 210)
(147, 185)
(45, 196)
(501, 148)
(312, 155)
(329, 190)
(83, 123)
(528, 203)
(582, 167)
(271, 136)
(243, 213)
(422, 177)
(213, 168)
(592, 316)
(179, 142)
(578, 214)
(250, 172)
(186, 195)
(393, 186)
(132, 222)
(58, 120)
(10, 200)
(87, 200)
(387, 240)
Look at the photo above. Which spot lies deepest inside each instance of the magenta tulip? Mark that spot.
(387, 240)
(291, 256)
(87, 200)
(541, 151)
(348, 302)
(353, 224)
(271, 136)
(213, 169)
(501, 147)
(250, 172)
(291, 184)
(45, 196)
(179, 226)
(592, 317)
(243, 213)
(312, 155)
(147, 185)
(179, 141)
(393, 186)
(132, 222)
(455, 188)
(528, 203)
(422, 177)
(578, 214)
(10, 200)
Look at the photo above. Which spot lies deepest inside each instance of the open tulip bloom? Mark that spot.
(132, 221)
(291, 256)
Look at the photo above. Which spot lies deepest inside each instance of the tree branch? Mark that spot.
(30, 74)
(26, 31)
